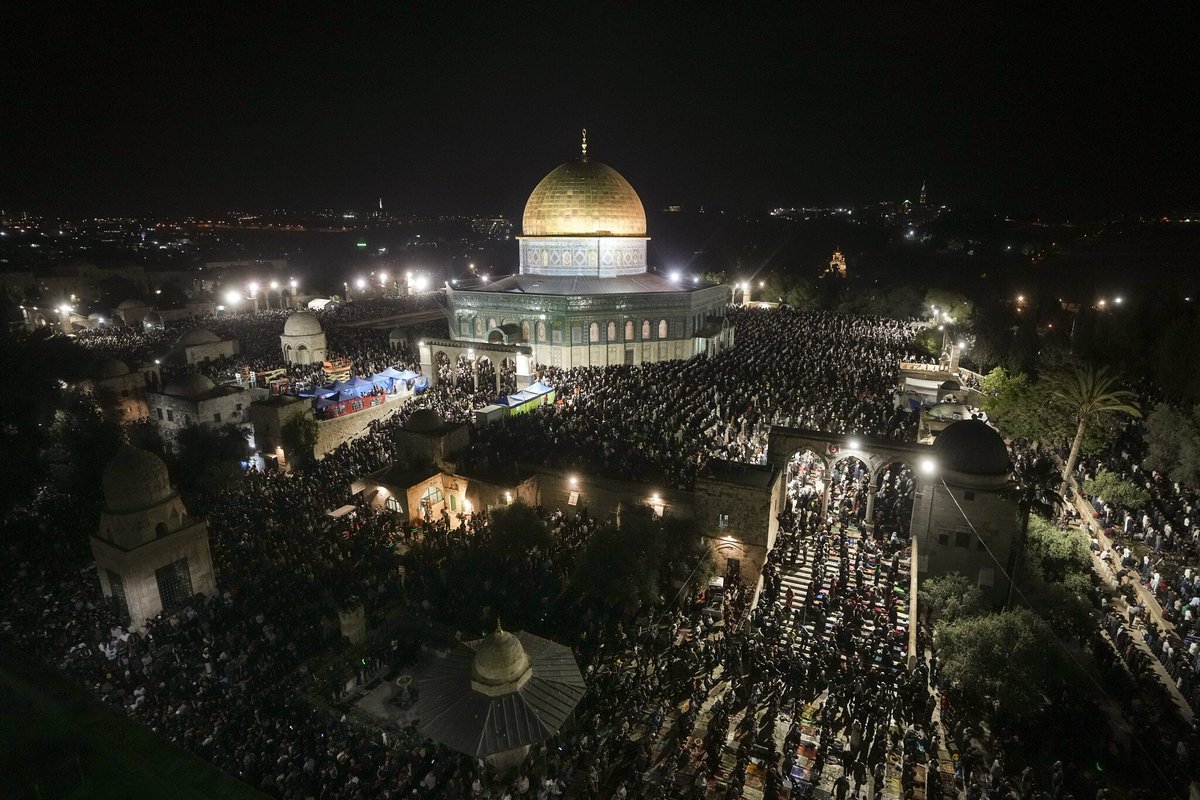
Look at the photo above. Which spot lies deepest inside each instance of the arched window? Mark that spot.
(594, 332)
(629, 330)
(160, 530)
(612, 331)
(662, 329)
(478, 326)
(392, 504)
(645, 329)
(525, 330)
(491, 323)
(541, 332)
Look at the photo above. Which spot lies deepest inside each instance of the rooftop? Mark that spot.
(576, 285)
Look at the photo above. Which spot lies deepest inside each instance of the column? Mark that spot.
(872, 487)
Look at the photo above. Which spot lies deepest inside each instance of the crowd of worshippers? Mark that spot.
(677, 705)
(664, 420)
(257, 333)
(1157, 546)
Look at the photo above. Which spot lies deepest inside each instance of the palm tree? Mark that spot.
(1035, 489)
(1088, 393)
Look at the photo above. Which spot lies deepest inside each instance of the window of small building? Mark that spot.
(160, 414)
(662, 329)
(453, 503)
(962, 539)
(392, 504)
(722, 521)
(433, 495)
(174, 584)
(968, 495)
(170, 415)
(612, 331)
(217, 416)
(944, 539)
(987, 577)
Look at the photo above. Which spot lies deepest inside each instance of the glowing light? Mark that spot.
(1118, 300)
(274, 285)
(1020, 298)
(961, 344)
(360, 283)
(420, 283)
(295, 283)
(232, 297)
(383, 277)
(574, 481)
(928, 466)
(675, 276)
(853, 444)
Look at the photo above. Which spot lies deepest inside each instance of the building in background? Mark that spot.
(583, 296)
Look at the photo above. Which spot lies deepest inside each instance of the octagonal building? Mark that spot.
(583, 295)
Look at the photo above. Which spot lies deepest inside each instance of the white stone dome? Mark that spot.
(302, 324)
(423, 420)
(198, 336)
(135, 479)
(500, 661)
(109, 368)
(190, 386)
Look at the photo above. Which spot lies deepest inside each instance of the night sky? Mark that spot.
(204, 108)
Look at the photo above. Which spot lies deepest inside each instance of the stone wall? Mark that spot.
(333, 432)
(136, 568)
(947, 543)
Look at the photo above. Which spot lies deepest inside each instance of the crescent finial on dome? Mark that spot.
(584, 143)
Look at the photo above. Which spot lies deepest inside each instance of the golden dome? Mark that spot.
(584, 198)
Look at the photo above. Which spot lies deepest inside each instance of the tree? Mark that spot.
(616, 569)
(953, 308)
(1108, 486)
(299, 436)
(1010, 656)
(1036, 493)
(1089, 393)
(1029, 409)
(950, 597)
(208, 459)
(517, 530)
(1173, 443)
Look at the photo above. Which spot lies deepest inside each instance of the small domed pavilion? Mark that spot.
(151, 555)
(497, 697)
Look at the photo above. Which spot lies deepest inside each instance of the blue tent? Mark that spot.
(359, 386)
(407, 375)
(421, 385)
(323, 402)
(382, 381)
(539, 388)
(391, 372)
(337, 386)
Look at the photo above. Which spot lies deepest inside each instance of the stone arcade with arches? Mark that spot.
(303, 339)
(438, 353)
(151, 555)
(963, 516)
(583, 296)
